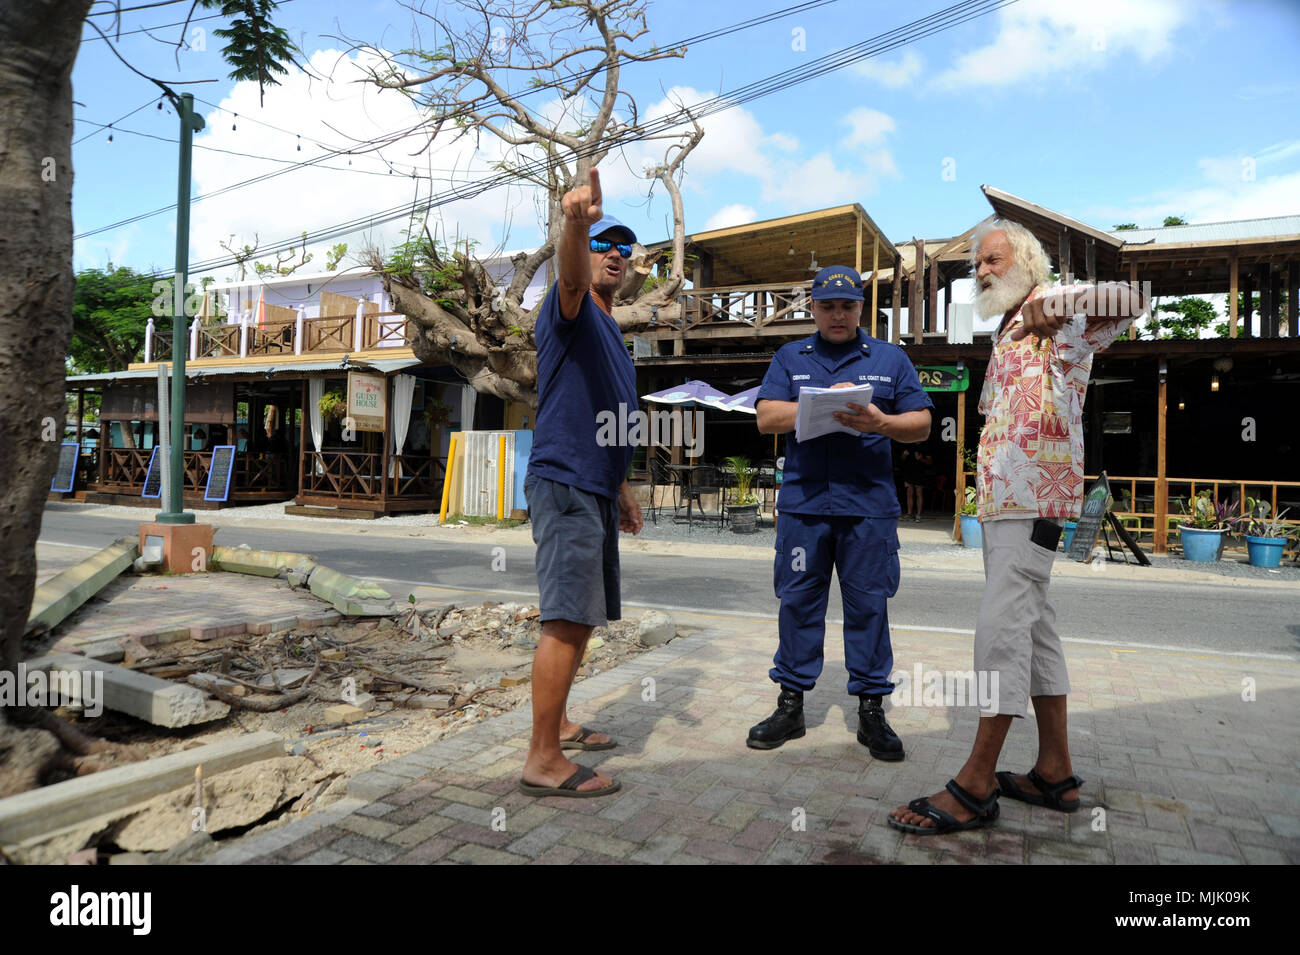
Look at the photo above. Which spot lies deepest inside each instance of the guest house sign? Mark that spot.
(366, 401)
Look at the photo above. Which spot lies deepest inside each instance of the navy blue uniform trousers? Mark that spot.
(864, 553)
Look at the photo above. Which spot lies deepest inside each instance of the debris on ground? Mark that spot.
(343, 697)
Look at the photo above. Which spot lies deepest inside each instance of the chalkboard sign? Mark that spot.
(219, 473)
(67, 472)
(1096, 505)
(153, 477)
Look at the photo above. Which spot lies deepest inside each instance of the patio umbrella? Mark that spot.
(742, 401)
(693, 392)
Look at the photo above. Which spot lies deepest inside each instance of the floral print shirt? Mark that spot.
(1030, 461)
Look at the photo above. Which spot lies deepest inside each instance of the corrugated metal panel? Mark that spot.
(1274, 227)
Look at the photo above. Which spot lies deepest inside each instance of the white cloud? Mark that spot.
(734, 214)
(1035, 38)
(741, 161)
(891, 74)
(1228, 187)
(868, 127)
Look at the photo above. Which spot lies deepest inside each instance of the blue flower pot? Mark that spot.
(972, 535)
(1070, 528)
(1201, 546)
(1265, 551)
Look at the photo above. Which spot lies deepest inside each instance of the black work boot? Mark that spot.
(874, 732)
(786, 723)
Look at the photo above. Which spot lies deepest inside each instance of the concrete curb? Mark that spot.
(348, 595)
(50, 808)
(63, 593)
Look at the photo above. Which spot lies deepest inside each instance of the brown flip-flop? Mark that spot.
(570, 786)
(580, 741)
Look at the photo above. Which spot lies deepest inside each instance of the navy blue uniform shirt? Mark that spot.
(842, 474)
(583, 368)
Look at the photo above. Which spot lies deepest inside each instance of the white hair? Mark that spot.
(1026, 248)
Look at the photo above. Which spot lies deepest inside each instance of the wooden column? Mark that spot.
(1063, 263)
(388, 438)
(916, 307)
(1293, 299)
(1133, 278)
(1247, 302)
(959, 497)
(1263, 279)
(895, 333)
(947, 307)
(875, 284)
(1090, 260)
(857, 254)
(932, 312)
(1161, 542)
(1275, 304)
(1232, 295)
(304, 434)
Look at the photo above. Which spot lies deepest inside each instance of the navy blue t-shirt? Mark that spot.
(843, 474)
(584, 374)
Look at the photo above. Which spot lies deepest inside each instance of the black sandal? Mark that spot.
(986, 813)
(1048, 795)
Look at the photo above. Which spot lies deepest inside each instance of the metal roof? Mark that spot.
(385, 365)
(1275, 227)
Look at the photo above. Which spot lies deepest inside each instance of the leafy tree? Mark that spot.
(1187, 317)
(110, 310)
(1175, 220)
(1124, 226)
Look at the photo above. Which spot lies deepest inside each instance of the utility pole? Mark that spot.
(191, 123)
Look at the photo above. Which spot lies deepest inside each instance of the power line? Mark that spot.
(893, 39)
(361, 147)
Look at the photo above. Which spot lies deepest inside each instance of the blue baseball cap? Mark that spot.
(610, 224)
(837, 281)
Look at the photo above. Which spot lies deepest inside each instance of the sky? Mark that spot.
(1109, 111)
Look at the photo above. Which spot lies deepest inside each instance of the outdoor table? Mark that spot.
(686, 471)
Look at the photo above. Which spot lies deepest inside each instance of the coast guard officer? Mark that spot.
(838, 508)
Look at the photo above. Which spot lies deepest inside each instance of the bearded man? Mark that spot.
(1029, 479)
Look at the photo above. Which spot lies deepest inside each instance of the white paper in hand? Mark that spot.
(815, 415)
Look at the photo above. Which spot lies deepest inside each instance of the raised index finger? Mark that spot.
(594, 183)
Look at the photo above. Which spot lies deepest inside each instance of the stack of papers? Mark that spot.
(817, 406)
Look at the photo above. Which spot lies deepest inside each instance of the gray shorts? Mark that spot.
(1015, 636)
(576, 533)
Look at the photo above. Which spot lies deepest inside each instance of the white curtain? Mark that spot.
(315, 390)
(403, 395)
(467, 398)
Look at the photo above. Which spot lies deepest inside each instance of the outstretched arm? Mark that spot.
(582, 208)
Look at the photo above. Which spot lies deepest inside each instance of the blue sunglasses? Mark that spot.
(602, 246)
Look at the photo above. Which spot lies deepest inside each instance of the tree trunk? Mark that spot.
(38, 46)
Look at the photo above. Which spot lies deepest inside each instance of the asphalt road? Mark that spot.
(1252, 620)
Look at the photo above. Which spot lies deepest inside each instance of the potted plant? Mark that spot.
(332, 404)
(1202, 531)
(972, 535)
(1266, 536)
(436, 413)
(744, 502)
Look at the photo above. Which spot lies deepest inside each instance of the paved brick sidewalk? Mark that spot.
(1179, 769)
(157, 609)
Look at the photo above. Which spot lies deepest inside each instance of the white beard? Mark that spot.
(1005, 293)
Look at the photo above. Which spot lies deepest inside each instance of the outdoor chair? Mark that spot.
(661, 477)
(707, 480)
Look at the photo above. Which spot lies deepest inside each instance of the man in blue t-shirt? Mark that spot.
(577, 490)
(838, 508)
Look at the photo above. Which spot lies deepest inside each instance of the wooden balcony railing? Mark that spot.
(1137, 505)
(328, 334)
(124, 470)
(357, 475)
(755, 305)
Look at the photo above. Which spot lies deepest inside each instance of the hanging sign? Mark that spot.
(366, 401)
(943, 378)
